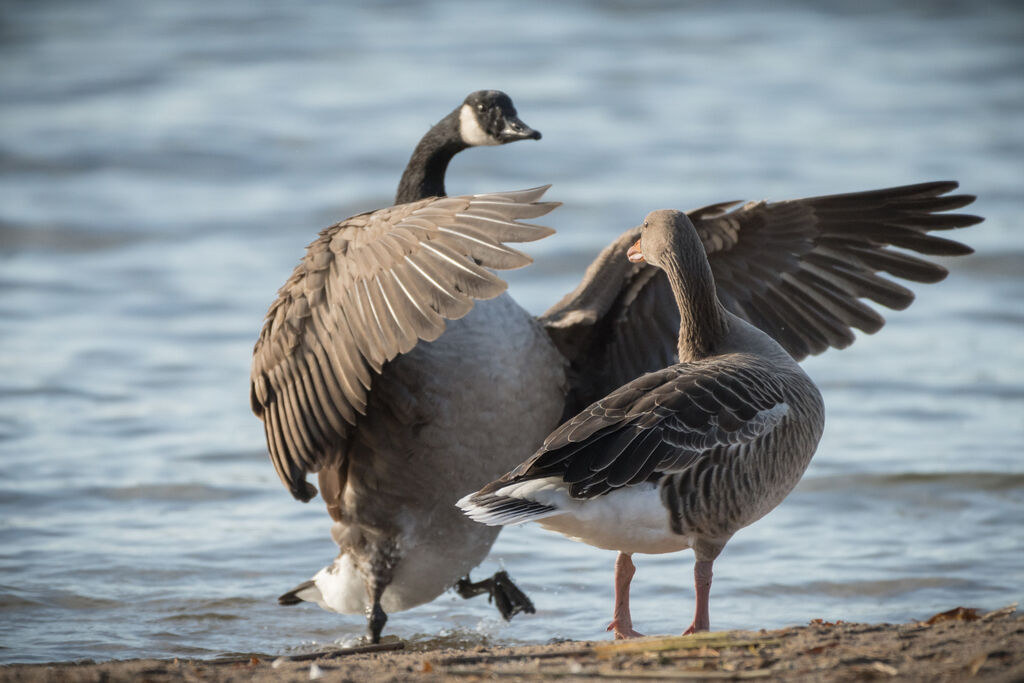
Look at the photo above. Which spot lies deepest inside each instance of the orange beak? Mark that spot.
(635, 255)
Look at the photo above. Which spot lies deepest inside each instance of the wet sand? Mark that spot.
(961, 644)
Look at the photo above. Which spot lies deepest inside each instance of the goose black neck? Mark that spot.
(424, 174)
(702, 321)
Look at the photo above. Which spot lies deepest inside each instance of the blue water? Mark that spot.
(162, 166)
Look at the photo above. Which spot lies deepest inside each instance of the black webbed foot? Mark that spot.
(505, 595)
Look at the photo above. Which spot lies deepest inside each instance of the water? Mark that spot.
(164, 164)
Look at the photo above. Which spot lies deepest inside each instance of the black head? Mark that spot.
(488, 117)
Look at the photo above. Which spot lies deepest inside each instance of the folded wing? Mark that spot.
(664, 422)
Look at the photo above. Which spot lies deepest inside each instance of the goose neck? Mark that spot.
(424, 174)
(703, 324)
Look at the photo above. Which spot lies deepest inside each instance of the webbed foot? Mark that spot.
(505, 595)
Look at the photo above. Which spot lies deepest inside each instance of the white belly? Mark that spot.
(630, 520)
(426, 570)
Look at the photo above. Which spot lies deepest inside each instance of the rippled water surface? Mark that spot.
(162, 165)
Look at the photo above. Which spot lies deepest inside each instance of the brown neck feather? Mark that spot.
(703, 324)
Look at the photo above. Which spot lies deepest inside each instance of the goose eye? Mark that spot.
(645, 224)
(480, 107)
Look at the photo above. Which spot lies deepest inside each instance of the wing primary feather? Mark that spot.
(382, 314)
(331, 397)
(312, 416)
(422, 269)
(850, 309)
(866, 284)
(386, 346)
(398, 306)
(288, 438)
(488, 253)
(363, 328)
(527, 196)
(301, 446)
(278, 453)
(426, 319)
(350, 380)
(451, 258)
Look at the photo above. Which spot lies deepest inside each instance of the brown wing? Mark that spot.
(797, 269)
(368, 289)
(660, 422)
(683, 417)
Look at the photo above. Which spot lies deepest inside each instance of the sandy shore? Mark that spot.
(953, 646)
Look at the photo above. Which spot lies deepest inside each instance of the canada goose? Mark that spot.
(682, 457)
(484, 118)
(344, 388)
(421, 423)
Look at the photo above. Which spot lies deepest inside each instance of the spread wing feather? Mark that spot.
(368, 289)
(801, 270)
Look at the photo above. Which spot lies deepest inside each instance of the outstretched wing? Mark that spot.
(368, 289)
(799, 270)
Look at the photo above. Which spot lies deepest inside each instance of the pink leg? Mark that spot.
(702, 584)
(622, 624)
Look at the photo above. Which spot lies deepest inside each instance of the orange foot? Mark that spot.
(623, 631)
(693, 629)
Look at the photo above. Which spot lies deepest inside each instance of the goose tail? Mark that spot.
(511, 504)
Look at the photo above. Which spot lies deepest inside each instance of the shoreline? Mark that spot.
(960, 644)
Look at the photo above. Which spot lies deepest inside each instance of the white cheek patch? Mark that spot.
(470, 131)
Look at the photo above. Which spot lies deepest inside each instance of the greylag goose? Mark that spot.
(797, 269)
(679, 458)
(413, 419)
